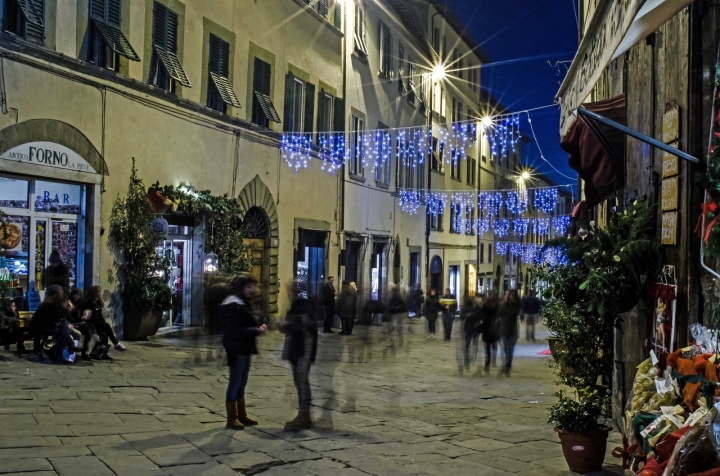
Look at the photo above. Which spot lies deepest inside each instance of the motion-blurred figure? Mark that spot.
(397, 309)
(345, 307)
(508, 327)
(488, 320)
(470, 316)
(431, 311)
(450, 305)
(301, 333)
(530, 313)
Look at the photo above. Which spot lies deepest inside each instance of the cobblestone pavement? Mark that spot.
(379, 410)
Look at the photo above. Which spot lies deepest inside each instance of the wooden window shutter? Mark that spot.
(338, 15)
(339, 115)
(35, 30)
(114, 13)
(219, 56)
(160, 25)
(289, 101)
(172, 31)
(323, 8)
(98, 9)
(309, 107)
(320, 114)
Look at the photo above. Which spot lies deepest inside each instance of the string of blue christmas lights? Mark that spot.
(532, 253)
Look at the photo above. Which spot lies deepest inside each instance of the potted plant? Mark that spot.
(582, 437)
(142, 273)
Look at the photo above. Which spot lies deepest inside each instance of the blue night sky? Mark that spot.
(520, 36)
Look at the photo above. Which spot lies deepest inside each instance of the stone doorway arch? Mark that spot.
(254, 198)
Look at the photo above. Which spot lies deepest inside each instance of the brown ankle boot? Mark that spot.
(242, 413)
(301, 422)
(232, 417)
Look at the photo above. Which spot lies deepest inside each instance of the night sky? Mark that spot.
(520, 36)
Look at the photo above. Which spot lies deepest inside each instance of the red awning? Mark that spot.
(597, 151)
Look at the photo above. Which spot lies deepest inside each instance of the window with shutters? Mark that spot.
(356, 147)
(298, 92)
(299, 105)
(165, 67)
(263, 110)
(107, 41)
(338, 15)
(383, 164)
(461, 67)
(385, 52)
(26, 19)
(490, 253)
(471, 170)
(469, 219)
(436, 221)
(436, 162)
(412, 92)
(401, 70)
(324, 119)
(482, 252)
(359, 33)
(219, 92)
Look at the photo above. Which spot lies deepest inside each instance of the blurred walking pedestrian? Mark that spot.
(450, 308)
(300, 349)
(488, 320)
(397, 308)
(470, 316)
(328, 299)
(240, 332)
(345, 307)
(431, 311)
(508, 328)
(530, 314)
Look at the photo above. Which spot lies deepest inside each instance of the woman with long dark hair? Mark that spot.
(240, 331)
(93, 308)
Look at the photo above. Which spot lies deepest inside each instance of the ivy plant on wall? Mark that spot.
(222, 233)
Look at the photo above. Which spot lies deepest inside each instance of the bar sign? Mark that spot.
(670, 165)
(669, 228)
(671, 124)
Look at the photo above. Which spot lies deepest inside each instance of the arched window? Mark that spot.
(256, 223)
(482, 252)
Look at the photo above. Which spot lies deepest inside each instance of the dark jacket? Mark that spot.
(239, 328)
(432, 307)
(45, 318)
(471, 317)
(301, 329)
(530, 305)
(397, 305)
(96, 310)
(346, 302)
(508, 319)
(488, 317)
(56, 275)
(328, 294)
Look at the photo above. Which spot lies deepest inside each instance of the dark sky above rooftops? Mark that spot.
(521, 36)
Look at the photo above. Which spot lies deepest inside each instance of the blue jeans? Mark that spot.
(239, 372)
(509, 348)
(431, 326)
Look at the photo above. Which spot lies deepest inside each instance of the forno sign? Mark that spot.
(48, 154)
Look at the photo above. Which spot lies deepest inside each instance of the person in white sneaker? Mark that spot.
(94, 305)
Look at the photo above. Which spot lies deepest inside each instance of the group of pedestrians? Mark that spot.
(66, 318)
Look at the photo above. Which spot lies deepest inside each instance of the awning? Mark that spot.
(652, 15)
(597, 151)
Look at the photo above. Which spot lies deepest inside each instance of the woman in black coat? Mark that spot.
(301, 334)
(50, 319)
(431, 311)
(240, 332)
(508, 327)
(488, 318)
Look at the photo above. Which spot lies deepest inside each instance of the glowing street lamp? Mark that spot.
(438, 72)
(487, 121)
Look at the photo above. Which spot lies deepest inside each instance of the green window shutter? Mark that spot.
(219, 56)
(97, 9)
(266, 79)
(323, 8)
(338, 16)
(289, 101)
(160, 25)
(34, 31)
(321, 113)
(114, 13)
(339, 115)
(309, 107)
(172, 28)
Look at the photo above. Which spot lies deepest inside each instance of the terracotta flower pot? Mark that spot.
(585, 452)
(141, 324)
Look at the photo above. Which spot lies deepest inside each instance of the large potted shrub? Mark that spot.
(141, 272)
(582, 437)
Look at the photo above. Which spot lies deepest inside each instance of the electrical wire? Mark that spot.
(542, 156)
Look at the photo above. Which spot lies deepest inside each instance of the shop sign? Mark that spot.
(48, 154)
(669, 228)
(671, 124)
(33, 300)
(595, 52)
(670, 194)
(670, 164)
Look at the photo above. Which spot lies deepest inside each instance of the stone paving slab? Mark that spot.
(159, 409)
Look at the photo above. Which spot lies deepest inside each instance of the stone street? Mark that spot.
(379, 409)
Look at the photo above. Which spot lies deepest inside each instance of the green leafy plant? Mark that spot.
(586, 298)
(141, 272)
(223, 233)
(578, 415)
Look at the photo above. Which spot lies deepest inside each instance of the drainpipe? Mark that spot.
(429, 165)
(341, 221)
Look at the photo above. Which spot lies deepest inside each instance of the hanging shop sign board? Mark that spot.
(670, 193)
(606, 32)
(671, 124)
(48, 154)
(670, 163)
(669, 228)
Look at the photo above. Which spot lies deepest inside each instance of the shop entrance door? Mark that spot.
(179, 250)
(257, 251)
(454, 283)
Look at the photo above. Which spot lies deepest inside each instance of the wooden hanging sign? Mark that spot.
(669, 228)
(670, 163)
(671, 124)
(670, 193)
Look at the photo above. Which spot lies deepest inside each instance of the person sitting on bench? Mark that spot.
(50, 320)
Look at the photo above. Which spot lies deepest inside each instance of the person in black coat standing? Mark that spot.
(240, 331)
(508, 327)
(328, 294)
(488, 319)
(301, 333)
